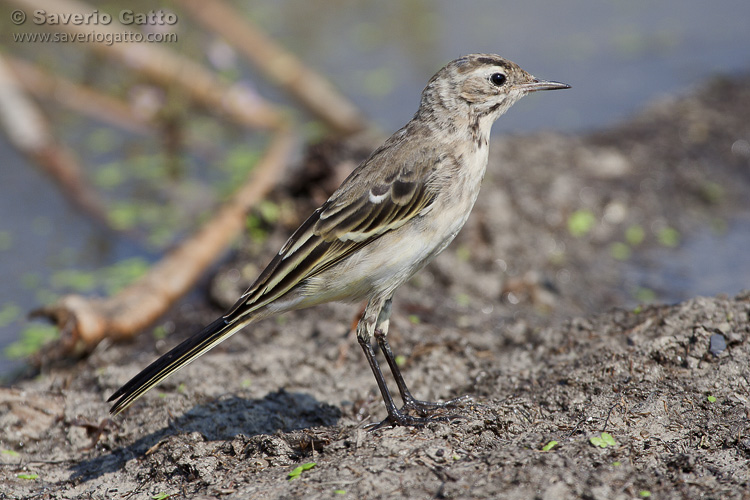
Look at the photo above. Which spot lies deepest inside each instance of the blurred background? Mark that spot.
(618, 55)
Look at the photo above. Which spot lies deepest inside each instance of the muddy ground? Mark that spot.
(537, 323)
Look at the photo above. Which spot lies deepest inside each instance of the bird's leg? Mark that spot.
(364, 334)
(375, 320)
(424, 408)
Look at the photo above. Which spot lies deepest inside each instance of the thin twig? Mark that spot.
(79, 98)
(279, 65)
(162, 65)
(28, 131)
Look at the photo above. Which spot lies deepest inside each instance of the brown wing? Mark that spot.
(353, 217)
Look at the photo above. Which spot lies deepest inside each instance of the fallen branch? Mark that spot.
(84, 322)
(79, 98)
(28, 131)
(162, 65)
(278, 65)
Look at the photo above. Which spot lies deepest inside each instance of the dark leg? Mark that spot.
(375, 318)
(424, 408)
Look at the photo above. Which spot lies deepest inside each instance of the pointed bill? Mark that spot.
(537, 84)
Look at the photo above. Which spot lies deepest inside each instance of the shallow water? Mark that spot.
(708, 262)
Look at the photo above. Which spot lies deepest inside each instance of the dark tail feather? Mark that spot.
(172, 361)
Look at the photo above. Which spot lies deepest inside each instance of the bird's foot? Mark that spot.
(428, 408)
(427, 411)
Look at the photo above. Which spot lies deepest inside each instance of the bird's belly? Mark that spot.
(377, 269)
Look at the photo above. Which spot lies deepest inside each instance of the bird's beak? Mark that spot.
(537, 84)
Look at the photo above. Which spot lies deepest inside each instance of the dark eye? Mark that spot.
(497, 79)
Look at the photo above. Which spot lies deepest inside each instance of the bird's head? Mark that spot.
(482, 86)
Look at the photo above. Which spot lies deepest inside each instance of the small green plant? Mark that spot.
(463, 253)
(581, 222)
(463, 299)
(549, 446)
(712, 399)
(634, 235)
(297, 472)
(161, 496)
(28, 476)
(12, 453)
(644, 494)
(9, 312)
(669, 237)
(604, 440)
(645, 295)
(340, 492)
(6, 240)
(620, 251)
(32, 338)
(270, 211)
(160, 332)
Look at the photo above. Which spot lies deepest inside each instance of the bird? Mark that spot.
(391, 216)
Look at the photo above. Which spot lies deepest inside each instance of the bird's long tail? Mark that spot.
(177, 358)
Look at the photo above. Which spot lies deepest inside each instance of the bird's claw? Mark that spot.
(428, 412)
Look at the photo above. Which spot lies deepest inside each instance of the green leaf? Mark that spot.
(6, 240)
(32, 339)
(110, 175)
(340, 492)
(27, 476)
(122, 273)
(635, 235)
(581, 222)
(644, 493)
(463, 253)
(463, 299)
(549, 445)
(712, 192)
(9, 312)
(12, 453)
(669, 237)
(400, 360)
(607, 438)
(620, 250)
(712, 399)
(73, 279)
(646, 295)
(603, 440)
(161, 496)
(270, 211)
(160, 332)
(299, 470)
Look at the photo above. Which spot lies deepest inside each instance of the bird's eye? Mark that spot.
(497, 79)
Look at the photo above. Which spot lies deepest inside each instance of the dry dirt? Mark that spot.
(538, 325)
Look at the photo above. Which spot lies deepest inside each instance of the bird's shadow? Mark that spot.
(221, 420)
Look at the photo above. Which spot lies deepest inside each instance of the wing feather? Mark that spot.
(348, 221)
